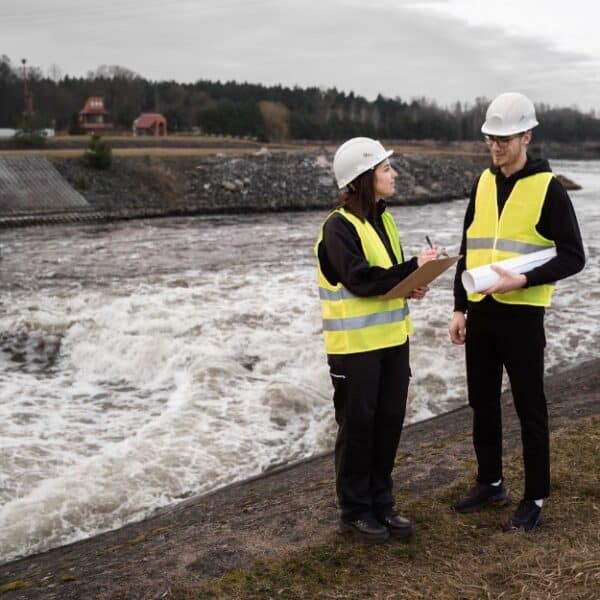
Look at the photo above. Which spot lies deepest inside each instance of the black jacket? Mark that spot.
(342, 258)
(557, 223)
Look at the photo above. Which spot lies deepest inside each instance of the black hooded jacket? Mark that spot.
(557, 223)
(342, 258)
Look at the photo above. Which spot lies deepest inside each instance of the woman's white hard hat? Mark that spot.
(508, 114)
(356, 156)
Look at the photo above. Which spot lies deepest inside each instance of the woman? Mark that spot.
(366, 338)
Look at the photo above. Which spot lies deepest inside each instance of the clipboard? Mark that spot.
(422, 276)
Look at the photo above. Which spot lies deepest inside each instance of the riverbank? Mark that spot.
(263, 181)
(182, 144)
(179, 182)
(187, 176)
(275, 535)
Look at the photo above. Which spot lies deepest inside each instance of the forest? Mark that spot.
(267, 113)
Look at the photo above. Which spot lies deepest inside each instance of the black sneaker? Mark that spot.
(528, 516)
(480, 496)
(367, 530)
(399, 527)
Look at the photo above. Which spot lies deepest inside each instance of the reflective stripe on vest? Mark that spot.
(365, 321)
(491, 239)
(333, 295)
(358, 324)
(506, 245)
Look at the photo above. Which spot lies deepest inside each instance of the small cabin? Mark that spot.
(153, 124)
(93, 115)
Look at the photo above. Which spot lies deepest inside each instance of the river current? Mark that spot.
(146, 361)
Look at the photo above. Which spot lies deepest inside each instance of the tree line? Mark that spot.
(274, 113)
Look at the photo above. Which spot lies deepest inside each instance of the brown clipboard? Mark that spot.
(422, 276)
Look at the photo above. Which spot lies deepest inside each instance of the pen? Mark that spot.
(441, 251)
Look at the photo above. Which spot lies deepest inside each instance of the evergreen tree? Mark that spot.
(240, 109)
(75, 127)
(30, 133)
(99, 153)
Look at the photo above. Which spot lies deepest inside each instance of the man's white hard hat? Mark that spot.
(508, 114)
(356, 156)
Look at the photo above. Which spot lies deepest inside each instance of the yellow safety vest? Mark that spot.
(357, 323)
(490, 239)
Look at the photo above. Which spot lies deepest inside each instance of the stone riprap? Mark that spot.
(262, 182)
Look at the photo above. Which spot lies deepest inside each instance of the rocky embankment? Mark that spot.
(264, 181)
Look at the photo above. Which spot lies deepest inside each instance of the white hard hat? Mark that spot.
(356, 156)
(508, 114)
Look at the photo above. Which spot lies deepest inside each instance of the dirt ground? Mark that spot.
(174, 146)
(275, 515)
(191, 145)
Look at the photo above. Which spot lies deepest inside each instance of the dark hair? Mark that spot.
(359, 196)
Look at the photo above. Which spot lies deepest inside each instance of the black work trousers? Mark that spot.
(516, 342)
(370, 390)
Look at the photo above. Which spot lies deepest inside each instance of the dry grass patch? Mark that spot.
(454, 556)
(154, 152)
(69, 147)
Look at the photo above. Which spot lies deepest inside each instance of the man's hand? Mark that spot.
(419, 292)
(426, 255)
(509, 281)
(458, 328)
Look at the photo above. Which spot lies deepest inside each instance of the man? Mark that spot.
(516, 207)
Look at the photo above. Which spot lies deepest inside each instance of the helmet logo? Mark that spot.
(367, 154)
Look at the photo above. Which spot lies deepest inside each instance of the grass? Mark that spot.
(453, 556)
(144, 537)
(171, 146)
(181, 145)
(124, 152)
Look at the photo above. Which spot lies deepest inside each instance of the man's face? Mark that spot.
(507, 151)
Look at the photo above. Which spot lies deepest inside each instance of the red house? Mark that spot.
(150, 124)
(94, 116)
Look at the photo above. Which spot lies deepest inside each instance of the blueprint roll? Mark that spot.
(481, 278)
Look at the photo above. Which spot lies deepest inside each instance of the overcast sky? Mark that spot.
(445, 50)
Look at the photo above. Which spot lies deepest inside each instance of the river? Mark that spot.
(142, 362)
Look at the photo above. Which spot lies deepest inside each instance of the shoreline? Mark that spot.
(283, 510)
(159, 182)
(263, 181)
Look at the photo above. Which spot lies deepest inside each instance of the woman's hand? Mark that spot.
(426, 255)
(419, 292)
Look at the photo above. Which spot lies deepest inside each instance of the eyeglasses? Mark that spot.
(502, 140)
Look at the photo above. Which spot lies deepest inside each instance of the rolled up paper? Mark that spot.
(481, 278)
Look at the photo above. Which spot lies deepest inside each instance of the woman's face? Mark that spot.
(384, 182)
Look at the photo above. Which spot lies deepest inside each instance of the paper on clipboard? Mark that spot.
(422, 276)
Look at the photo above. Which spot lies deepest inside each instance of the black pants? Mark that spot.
(370, 390)
(517, 343)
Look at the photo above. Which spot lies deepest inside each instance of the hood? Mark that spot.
(532, 166)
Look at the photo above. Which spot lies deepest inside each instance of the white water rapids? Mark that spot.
(142, 362)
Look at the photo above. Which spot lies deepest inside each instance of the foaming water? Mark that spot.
(147, 361)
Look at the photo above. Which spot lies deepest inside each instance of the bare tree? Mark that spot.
(55, 73)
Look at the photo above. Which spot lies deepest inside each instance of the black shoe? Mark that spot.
(367, 530)
(480, 496)
(399, 527)
(528, 516)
